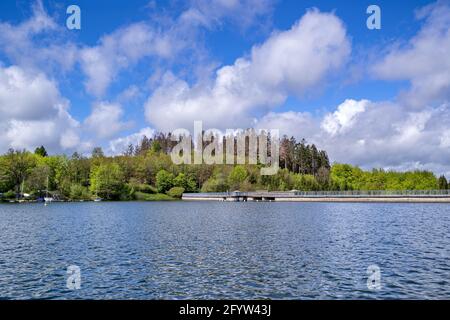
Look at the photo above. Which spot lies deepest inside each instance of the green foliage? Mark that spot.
(347, 177)
(79, 192)
(142, 187)
(176, 192)
(140, 196)
(146, 172)
(442, 183)
(217, 183)
(97, 152)
(107, 181)
(305, 182)
(9, 195)
(156, 147)
(40, 151)
(164, 181)
(15, 167)
(236, 177)
(37, 179)
(300, 157)
(186, 182)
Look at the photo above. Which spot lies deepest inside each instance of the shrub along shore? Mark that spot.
(145, 172)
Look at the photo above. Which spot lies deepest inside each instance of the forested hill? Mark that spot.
(146, 172)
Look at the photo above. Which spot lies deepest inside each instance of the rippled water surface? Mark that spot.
(217, 250)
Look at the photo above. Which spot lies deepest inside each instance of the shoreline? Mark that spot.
(86, 201)
(280, 200)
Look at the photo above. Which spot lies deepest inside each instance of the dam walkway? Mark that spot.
(324, 196)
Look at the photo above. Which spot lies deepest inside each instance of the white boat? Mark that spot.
(98, 199)
(47, 198)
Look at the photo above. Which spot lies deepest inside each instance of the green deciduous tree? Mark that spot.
(79, 192)
(107, 181)
(15, 168)
(164, 181)
(40, 151)
(186, 182)
(237, 176)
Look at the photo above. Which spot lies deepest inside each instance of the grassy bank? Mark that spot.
(140, 196)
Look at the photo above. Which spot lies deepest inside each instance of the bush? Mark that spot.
(186, 182)
(176, 192)
(236, 177)
(140, 196)
(164, 181)
(9, 195)
(142, 187)
(78, 192)
(128, 193)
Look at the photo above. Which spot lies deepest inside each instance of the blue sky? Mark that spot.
(374, 98)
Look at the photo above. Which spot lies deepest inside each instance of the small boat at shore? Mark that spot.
(98, 199)
(47, 198)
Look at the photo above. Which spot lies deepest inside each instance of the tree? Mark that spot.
(284, 152)
(323, 177)
(15, 168)
(237, 176)
(186, 182)
(164, 181)
(347, 177)
(79, 169)
(37, 179)
(40, 151)
(129, 151)
(79, 192)
(143, 147)
(215, 185)
(107, 181)
(156, 147)
(97, 152)
(443, 183)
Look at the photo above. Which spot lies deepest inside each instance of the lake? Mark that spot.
(224, 250)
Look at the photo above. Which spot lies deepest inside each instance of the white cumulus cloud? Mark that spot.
(119, 145)
(33, 112)
(105, 120)
(344, 117)
(288, 62)
(423, 60)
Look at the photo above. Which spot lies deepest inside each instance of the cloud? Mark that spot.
(380, 134)
(119, 145)
(210, 13)
(129, 94)
(123, 48)
(127, 46)
(33, 112)
(424, 60)
(344, 117)
(300, 124)
(23, 97)
(289, 62)
(105, 120)
(410, 132)
(38, 42)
